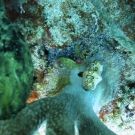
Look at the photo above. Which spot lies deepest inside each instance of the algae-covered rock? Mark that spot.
(68, 63)
(16, 68)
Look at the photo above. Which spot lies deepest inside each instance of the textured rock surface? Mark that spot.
(16, 68)
(63, 22)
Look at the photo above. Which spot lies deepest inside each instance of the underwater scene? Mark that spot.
(67, 67)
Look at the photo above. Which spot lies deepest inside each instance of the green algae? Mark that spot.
(68, 63)
(16, 69)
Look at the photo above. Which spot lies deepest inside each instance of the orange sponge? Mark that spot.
(33, 96)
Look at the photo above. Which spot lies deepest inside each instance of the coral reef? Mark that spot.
(83, 31)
